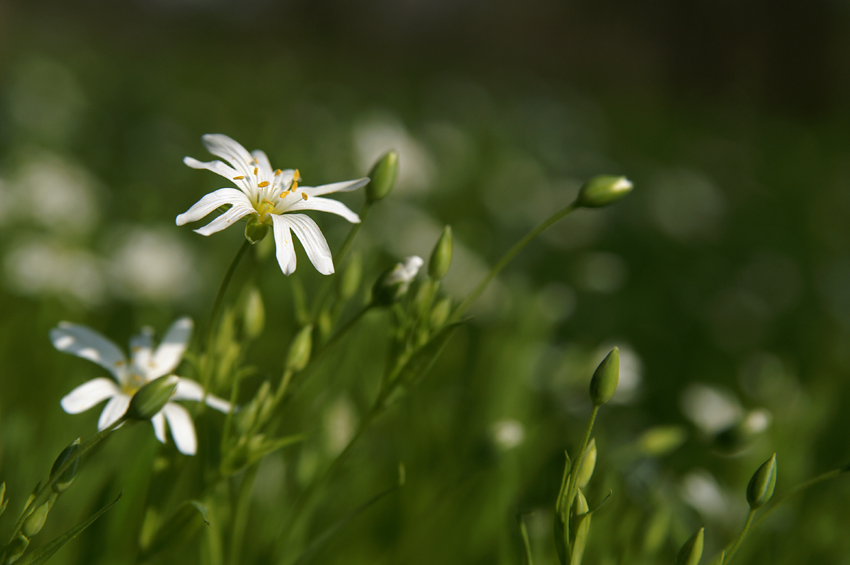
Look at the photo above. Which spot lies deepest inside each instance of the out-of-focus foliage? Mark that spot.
(724, 278)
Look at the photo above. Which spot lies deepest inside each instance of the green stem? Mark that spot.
(572, 485)
(734, 548)
(506, 258)
(240, 518)
(799, 488)
(219, 297)
(55, 476)
(523, 532)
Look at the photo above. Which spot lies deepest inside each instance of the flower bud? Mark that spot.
(603, 190)
(254, 314)
(605, 379)
(382, 177)
(440, 312)
(16, 548)
(580, 526)
(762, 484)
(64, 481)
(588, 464)
(349, 282)
(394, 282)
(441, 256)
(152, 397)
(255, 230)
(35, 521)
(299, 351)
(691, 552)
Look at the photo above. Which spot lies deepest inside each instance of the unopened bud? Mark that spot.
(254, 313)
(35, 521)
(152, 398)
(762, 484)
(605, 378)
(691, 552)
(299, 351)
(580, 526)
(440, 312)
(382, 177)
(603, 190)
(588, 464)
(441, 256)
(393, 283)
(255, 230)
(68, 476)
(17, 548)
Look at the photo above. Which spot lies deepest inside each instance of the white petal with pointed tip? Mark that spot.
(113, 410)
(89, 394)
(85, 343)
(284, 248)
(344, 186)
(314, 242)
(170, 351)
(187, 389)
(141, 349)
(236, 213)
(182, 428)
(228, 149)
(210, 202)
(217, 167)
(158, 422)
(325, 205)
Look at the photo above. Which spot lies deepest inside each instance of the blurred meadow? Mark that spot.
(724, 277)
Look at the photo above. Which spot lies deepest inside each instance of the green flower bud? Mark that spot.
(603, 190)
(691, 552)
(441, 256)
(299, 351)
(605, 379)
(661, 440)
(382, 177)
(254, 313)
(35, 521)
(255, 230)
(393, 283)
(17, 548)
(440, 312)
(588, 464)
(762, 484)
(580, 526)
(349, 282)
(70, 473)
(3, 501)
(152, 397)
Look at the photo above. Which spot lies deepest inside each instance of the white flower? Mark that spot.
(270, 197)
(146, 364)
(404, 273)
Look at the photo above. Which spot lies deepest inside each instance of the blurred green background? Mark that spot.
(724, 278)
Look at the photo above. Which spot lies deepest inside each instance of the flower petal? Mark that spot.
(187, 389)
(284, 248)
(158, 422)
(344, 186)
(313, 241)
(222, 146)
(263, 163)
(170, 351)
(210, 202)
(113, 410)
(182, 428)
(88, 344)
(217, 167)
(88, 394)
(325, 205)
(234, 214)
(141, 348)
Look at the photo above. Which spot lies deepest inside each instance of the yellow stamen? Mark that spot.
(304, 195)
(255, 170)
(284, 194)
(263, 184)
(277, 173)
(240, 177)
(296, 176)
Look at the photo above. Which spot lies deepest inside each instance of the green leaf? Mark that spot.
(47, 551)
(180, 526)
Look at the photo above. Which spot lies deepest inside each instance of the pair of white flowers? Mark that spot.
(270, 199)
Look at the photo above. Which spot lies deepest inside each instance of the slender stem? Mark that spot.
(506, 258)
(56, 475)
(523, 532)
(219, 297)
(240, 518)
(571, 488)
(799, 488)
(734, 548)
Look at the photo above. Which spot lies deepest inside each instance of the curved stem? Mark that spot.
(219, 297)
(506, 258)
(240, 518)
(732, 550)
(799, 488)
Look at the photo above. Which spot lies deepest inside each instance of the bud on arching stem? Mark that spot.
(603, 190)
(441, 256)
(152, 398)
(382, 177)
(64, 481)
(605, 378)
(300, 350)
(691, 552)
(35, 521)
(762, 484)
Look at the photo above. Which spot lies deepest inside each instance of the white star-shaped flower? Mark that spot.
(146, 364)
(270, 197)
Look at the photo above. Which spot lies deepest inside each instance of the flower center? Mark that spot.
(133, 384)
